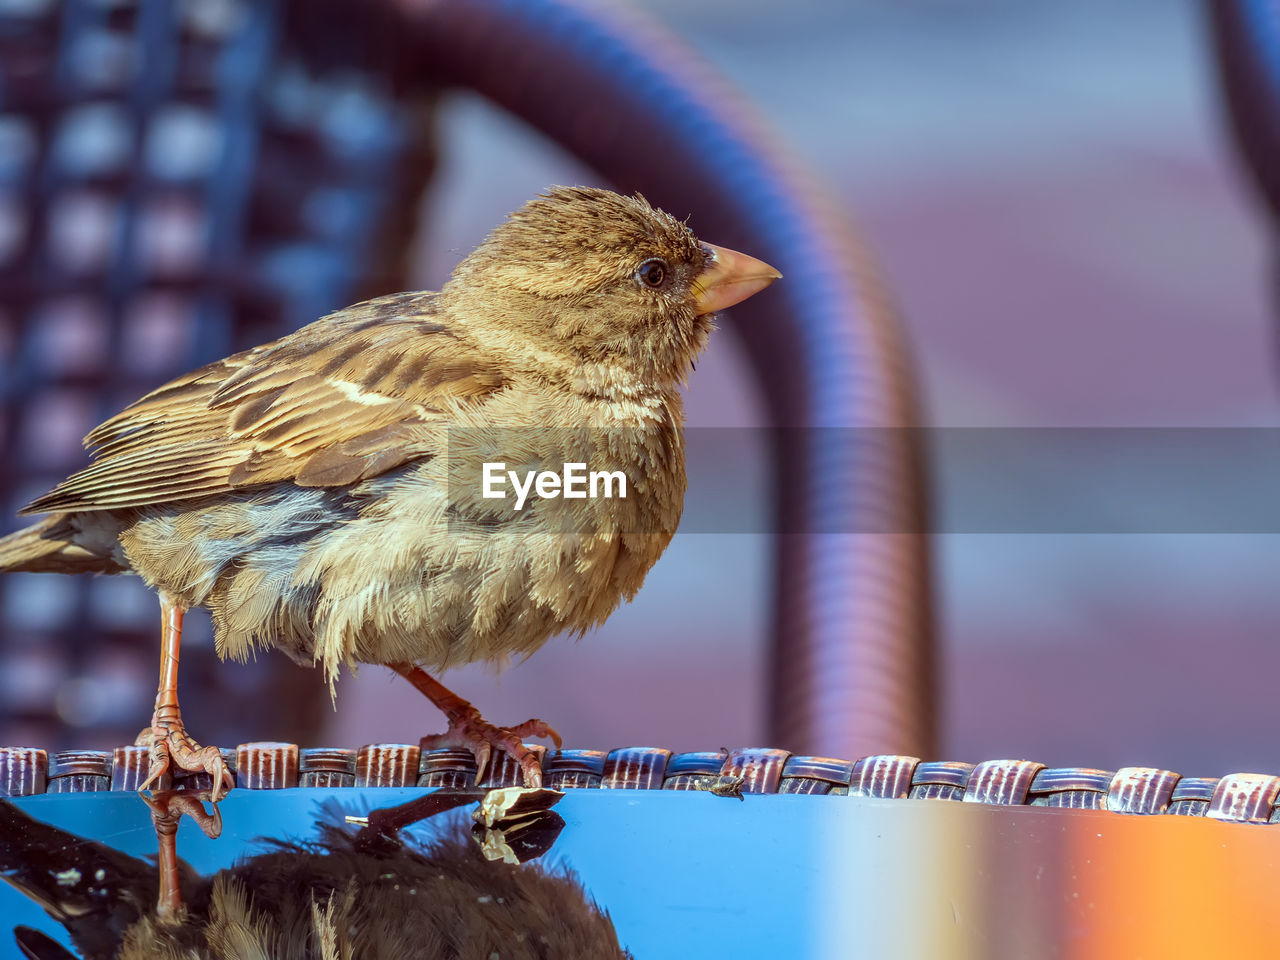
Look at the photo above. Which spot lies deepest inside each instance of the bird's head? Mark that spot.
(602, 282)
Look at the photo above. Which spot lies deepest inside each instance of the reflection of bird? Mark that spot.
(322, 493)
(333, 899)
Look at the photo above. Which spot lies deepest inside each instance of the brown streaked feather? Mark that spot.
(332, 404)
(357, 459)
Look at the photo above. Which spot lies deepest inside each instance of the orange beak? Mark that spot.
(730, 277)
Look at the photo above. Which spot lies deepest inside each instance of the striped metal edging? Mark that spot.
(1236, 797)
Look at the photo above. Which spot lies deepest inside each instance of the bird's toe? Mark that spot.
(172, 748)
(482, 738)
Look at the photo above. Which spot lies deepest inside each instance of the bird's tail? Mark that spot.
(49, 546)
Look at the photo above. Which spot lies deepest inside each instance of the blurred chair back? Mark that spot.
(1246, 36)
(177, 181)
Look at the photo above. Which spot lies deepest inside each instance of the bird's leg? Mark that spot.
(470, 731)
(167, 809)
(168, 739)
(380, 833)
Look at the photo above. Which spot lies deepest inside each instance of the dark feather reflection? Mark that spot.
(465, 891)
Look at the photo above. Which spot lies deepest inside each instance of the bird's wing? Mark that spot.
(332, 404)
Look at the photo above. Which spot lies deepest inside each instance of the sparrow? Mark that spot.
(437, 893)
(336, 494)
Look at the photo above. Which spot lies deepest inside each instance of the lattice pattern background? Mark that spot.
(178, 179)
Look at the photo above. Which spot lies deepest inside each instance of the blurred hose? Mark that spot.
(1247, 35)
(852, 670)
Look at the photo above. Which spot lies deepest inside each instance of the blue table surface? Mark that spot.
(689, 874)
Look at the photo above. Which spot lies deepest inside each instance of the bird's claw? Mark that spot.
(483, 753)
(168, 806)
(470, 731)
(172, 746)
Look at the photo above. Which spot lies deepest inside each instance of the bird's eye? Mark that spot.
(652, 273)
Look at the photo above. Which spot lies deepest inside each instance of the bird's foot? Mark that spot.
(168, 806)
(172, 747)
(470, 731)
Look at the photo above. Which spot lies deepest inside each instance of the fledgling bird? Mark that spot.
(323, 494)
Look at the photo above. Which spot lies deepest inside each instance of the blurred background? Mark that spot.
(1053, 196)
